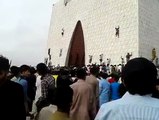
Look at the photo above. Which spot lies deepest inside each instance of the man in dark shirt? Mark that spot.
(11, 95)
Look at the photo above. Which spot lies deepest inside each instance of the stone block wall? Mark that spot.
(99, 20)
(148, 27)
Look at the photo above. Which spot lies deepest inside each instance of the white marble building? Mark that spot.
(138, 22)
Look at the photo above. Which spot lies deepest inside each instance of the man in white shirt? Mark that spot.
(139, 76)
(37, 95)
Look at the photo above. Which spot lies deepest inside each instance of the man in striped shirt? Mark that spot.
(47, 83)
(139, 76)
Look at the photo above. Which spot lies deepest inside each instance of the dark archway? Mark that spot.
(76, 52)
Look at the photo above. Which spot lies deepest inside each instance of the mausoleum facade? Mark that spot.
(94, 31)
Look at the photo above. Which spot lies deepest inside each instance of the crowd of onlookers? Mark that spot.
(100, 92)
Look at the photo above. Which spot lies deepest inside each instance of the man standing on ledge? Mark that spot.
(139, 76)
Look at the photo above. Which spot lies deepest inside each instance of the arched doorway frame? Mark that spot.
(72, 42)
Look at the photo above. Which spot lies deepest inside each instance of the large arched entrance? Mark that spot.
(76, 52)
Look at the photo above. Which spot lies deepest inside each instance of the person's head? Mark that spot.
(14, 71)
(115, 76)
(94, 70)
(81, 73)
(4, 68)
(25, 71)
(42, 69)
(139, 76)
(64, 71)
(32, 70)
(63, 80)
(63, 98)
(104, 75)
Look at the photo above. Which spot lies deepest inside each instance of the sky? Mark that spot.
(24, 27)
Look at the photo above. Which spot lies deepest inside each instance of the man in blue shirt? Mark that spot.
(104, 89)
(114, 88)
(24, 74)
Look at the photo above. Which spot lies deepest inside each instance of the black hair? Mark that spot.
(63, 80)
(104, 75)
(63, 98)
(15, 70)
(94, 70)
(32, 70)
(24, 68)
(42, 69)
(64, 71)
(4, 64)
(115, 75)
(140, 76)
(81, 73)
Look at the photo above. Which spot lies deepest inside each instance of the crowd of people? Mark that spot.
(93, 92)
